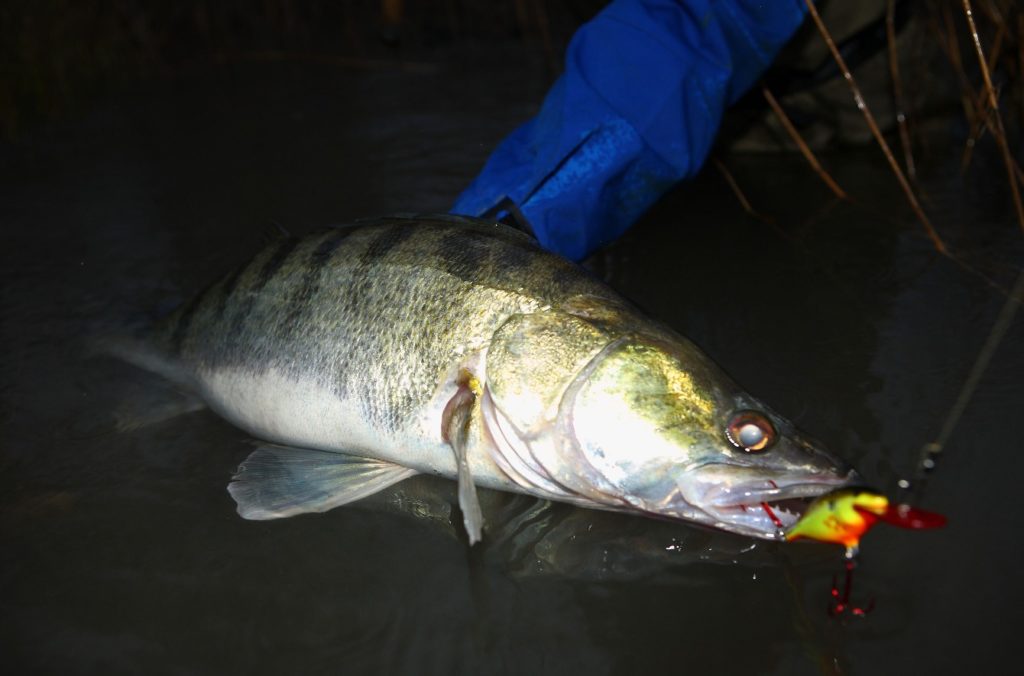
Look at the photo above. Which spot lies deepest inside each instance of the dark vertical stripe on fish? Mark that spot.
(464, 254)
(275, 262)
(251, 286)
(382, 241)
(518, 257)
(327, 246)
(228, 287)
(184, 320)
(385, 241)
(310, 284)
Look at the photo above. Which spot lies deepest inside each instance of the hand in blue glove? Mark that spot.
(637, 109)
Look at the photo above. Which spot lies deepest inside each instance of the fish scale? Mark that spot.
(367, 331)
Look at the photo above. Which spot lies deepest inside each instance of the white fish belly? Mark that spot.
(300, 412)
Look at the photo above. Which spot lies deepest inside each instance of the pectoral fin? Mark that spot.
(455, 430)
(278, 481)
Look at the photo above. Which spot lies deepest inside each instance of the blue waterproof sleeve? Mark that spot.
(645, 85)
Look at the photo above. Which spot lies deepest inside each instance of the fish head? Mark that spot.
(647, 422)
(657, 424)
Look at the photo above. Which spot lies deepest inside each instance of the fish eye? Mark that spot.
(751, 431)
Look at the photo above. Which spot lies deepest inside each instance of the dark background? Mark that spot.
(148, 146)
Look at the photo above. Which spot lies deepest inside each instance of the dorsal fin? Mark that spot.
(274, 232)
(489, 226)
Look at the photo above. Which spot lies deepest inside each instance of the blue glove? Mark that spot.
(637, 109)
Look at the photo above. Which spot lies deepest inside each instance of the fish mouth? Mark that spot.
(767, 508)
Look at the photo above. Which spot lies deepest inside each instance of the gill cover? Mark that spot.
(581, 408)
(532, 361)
(645, 414)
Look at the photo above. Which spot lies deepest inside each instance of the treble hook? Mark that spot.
(840, 603)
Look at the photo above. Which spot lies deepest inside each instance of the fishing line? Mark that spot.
(931, 450)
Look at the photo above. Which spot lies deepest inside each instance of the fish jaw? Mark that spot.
(761, 505)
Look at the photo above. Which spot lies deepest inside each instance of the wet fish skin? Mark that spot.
(353, 340)
(319, 307)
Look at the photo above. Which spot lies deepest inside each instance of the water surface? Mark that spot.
(122, 552)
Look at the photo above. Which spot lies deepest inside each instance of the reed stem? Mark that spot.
(808, 155)
(998, 129)
(897, 89)
(876, 132)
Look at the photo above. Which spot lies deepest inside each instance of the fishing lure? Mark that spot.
(844, 516)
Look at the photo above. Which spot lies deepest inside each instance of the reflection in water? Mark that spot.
(527, 536)
(529, 539)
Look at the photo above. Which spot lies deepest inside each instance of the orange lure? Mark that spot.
(844, 517)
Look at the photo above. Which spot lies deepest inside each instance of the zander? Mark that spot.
(366, 354)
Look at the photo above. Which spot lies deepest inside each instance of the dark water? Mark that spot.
(122, 552)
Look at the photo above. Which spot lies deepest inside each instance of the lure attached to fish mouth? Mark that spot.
(768, 507)
(844, 516)
(773, 493)
(458, 347)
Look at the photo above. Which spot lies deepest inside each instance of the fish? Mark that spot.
(361, 355)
